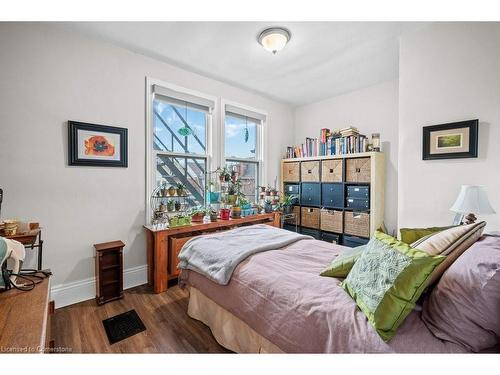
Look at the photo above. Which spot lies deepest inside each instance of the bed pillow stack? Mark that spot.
(387, 280)
(387, 276)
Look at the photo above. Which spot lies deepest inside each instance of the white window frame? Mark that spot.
(260, 151)
(151, 154)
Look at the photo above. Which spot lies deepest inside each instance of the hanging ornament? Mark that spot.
(185, 131)
(246, 130)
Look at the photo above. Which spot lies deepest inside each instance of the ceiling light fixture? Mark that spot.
(274, 39)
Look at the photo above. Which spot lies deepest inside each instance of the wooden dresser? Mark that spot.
(25, 320)
(164, 245)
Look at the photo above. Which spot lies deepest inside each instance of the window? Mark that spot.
(242, 147)
(180, 127)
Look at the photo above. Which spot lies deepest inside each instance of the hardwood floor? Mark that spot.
(168, 327)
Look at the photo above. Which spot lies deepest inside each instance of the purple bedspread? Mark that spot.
(280, 295)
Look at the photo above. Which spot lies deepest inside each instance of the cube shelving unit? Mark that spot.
(341, 197)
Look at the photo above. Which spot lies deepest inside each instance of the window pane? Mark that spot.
(248, 175)
(240, 138)
(188, 171)
(171, 132)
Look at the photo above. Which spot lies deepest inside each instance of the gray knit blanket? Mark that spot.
(215, 256)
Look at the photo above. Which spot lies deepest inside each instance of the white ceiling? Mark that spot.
(323, 59)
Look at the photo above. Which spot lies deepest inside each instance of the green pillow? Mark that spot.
(343, 263)
(410, 235)
(387, 280)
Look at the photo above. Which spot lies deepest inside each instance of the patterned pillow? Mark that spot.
(387, 280)
(451, 242)
(343, 263)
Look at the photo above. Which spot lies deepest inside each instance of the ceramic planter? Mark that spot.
(171, 191)
(177, 206)
(197, 218)
(224, 213)
(231, 199)
(236, 212)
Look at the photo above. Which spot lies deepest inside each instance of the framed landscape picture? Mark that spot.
(96, 145)
(450, 141)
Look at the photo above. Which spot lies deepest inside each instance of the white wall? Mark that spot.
(448, 72)
(372, 109)
(49, 76)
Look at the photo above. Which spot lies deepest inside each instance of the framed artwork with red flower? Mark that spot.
(96, 145)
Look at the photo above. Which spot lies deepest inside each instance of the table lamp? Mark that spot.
(471, 200)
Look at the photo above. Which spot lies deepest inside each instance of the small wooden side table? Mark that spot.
(31, 239)
(109, 271)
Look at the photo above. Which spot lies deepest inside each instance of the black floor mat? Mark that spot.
(121, 326)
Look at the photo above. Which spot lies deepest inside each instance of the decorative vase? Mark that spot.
(163, 207)
(171, 191)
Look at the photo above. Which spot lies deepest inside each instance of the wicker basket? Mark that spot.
(291, 172)
(331, 170)
(332, 220)
(310, 217)
(358, 170)
(309, 171)
(357, 224)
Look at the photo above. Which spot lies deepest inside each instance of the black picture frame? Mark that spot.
(473, 126)
(74, 159)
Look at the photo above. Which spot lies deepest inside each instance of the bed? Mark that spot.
(277, 302)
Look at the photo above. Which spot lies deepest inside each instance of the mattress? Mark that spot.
(280, 296)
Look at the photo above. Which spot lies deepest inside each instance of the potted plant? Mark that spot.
(197, 214)
(236, 212)
(177, 206)
(181, 190)
(213, 215)
(268, 191)
(287, 202)
(274, 192)
(232, 194)
(268, 206)
(224, 175)
(162, 207)
(170, 205)
(172, 190)
(164, 191)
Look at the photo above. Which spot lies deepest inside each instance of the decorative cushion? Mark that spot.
(387, 280)
(464, 307)
(410, 235)
(451, 242)
(343, 263)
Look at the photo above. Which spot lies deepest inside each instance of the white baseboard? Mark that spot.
(83, 290)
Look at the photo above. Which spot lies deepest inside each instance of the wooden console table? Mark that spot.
(164, 245)
(25, 320)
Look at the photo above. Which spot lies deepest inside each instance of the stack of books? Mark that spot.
(338, 142)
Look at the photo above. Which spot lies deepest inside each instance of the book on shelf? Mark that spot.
(338, 142)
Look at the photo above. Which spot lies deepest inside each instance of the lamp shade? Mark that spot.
(472, 199)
